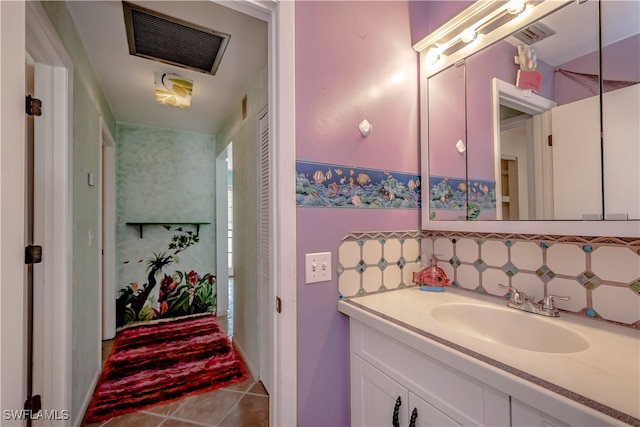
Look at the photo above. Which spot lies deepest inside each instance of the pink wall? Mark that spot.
(353, 61)
(426, 16)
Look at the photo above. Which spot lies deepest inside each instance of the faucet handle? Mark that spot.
(547, 302)
(516, 295)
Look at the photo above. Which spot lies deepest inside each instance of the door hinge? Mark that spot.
(33, 404)
(33, 254)
(550, 140)
(278, 305)
(33, 106)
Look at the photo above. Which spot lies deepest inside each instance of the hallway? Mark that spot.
(240, 404)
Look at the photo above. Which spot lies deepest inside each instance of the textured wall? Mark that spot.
(89, 104)
(163, 176)
(246, 154)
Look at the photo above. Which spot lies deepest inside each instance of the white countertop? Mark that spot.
(607, 372)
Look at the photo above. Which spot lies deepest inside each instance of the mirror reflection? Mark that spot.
(538, 154)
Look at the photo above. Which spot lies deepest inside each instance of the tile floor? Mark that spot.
(240, 404)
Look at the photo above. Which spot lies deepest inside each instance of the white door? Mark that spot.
(426, 415)
(621, 130)
(577, 148)
(265, 297)
(52, 215)
(375, 396)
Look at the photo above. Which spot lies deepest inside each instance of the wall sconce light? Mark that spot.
(365, 128)
(460, 146)
(173, 90)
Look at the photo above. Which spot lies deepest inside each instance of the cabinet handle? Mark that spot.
(414, 416)
(396, 411)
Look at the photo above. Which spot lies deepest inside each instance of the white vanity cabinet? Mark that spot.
(525, 415)
(399, 348)
(375, 397)
(383, 369)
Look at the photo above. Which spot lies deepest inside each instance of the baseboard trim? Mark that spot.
(85, 403)
(252, 370)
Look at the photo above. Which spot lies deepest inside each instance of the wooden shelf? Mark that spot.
(140, 224)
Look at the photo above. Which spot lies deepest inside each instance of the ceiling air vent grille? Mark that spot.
(534, 33)
(158, 37)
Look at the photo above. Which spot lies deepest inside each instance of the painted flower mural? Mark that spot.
(179, 294)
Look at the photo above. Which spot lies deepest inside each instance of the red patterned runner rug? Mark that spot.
(157, 363)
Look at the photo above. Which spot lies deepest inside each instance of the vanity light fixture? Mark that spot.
(479, 20)
(173, 90)
(433, 56)
(468, 35)
(516, 7)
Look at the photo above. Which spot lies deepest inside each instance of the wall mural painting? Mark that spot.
(166, 295)
(450, 194)
(329, 185)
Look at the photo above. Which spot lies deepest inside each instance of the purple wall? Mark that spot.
(446, 104)
(348, 68)
(620, 61)
(427, 16)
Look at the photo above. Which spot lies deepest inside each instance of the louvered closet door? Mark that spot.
(266, 299)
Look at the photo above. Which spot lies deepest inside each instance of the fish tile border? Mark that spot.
(450, 197)
(340, 186)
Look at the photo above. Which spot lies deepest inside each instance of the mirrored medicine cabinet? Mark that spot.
(561, 159)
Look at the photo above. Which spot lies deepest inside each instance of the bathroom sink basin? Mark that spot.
(510, 327)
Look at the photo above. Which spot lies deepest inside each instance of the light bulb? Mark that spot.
(468, 35)
(433, 56)
(515, 7)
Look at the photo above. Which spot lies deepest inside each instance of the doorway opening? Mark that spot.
(224, 240)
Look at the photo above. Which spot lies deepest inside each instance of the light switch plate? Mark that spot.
(317, 267)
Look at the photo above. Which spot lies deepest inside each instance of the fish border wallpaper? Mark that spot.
(338, 186)
(448, 195)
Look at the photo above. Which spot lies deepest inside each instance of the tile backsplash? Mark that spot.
(601, 275)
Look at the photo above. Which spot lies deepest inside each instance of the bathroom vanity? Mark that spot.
(458, 359)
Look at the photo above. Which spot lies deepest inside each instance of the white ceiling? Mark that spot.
(576, 27)
(128, 81)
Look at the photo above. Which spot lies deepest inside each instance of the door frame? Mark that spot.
(222, 247)
(12, 204)
(280, 18)
(45, 47)
(507, 94)
(107, 233)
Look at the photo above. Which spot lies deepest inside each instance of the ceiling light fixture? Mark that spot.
(173, 90)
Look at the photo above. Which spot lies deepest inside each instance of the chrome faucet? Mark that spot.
(521, 301)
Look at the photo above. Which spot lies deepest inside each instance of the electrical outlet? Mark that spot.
(318, 267)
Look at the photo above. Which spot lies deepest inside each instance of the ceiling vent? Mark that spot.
(159, 37)
(534, 33)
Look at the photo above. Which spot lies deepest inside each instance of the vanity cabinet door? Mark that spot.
(427, 414)
(374, 396)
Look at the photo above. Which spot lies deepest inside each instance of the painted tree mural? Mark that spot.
(179, 294)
